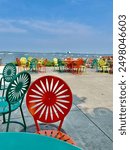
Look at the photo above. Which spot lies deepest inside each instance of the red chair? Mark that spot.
(18, 64)
(49, 100)
(68, 64)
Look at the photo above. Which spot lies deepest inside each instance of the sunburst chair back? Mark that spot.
(9, 72)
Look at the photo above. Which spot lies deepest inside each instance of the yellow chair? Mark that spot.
(23, 61)
(40, 65)
(30, 58)
(103, 65)
(55, 61)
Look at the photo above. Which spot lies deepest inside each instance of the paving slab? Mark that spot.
(101, 117)
(85, 133)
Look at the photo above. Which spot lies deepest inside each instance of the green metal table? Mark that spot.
(29, 141)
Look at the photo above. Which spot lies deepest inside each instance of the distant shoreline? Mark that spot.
(57, 53)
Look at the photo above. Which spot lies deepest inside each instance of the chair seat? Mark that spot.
(57, 134)
(4, 106)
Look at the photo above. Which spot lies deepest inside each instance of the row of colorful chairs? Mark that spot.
(75, 66)
(31, 64)
(102, 64)
(48, 99)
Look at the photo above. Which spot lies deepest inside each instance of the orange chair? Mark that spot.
(77, 65)
(44, 65)
(39, 65)
(49, 100)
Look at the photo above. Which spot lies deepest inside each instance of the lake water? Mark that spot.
(6, 57)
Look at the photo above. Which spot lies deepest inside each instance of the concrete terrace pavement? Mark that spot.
(89, 122)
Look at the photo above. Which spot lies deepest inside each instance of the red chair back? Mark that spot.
(49, 99)
(18, 61)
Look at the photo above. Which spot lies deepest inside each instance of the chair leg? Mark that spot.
(23, 118)
(7, 128)
(60, 125)
(4, 120)
(3, 93)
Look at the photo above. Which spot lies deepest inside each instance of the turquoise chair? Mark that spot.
(14, 97)
(95, 64)
(9, 72)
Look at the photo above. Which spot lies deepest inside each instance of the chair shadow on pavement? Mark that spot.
(96, 126)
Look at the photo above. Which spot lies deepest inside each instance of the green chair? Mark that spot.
(95, 64)
(14, 97)
(33, 64)
(9, 72)
(61, 65)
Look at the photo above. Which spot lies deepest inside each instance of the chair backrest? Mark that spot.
(94, 62)
(23, 60)
(18, 61)
(33, 63)
(101, 62)
(9, 72)
(60, 63)
(49, 99)
(30, 58)
(40, 61)
(80, 61)
(45, 62)
(18, 87)
(55, 60)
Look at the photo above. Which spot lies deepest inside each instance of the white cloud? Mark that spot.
(7, 26)
(56, 27)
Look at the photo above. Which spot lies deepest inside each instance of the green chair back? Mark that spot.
(9, 72)
(94, 63)
(60, 65)
(33, 64)
(18, 87)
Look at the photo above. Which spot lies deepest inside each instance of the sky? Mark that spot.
(81, 26)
